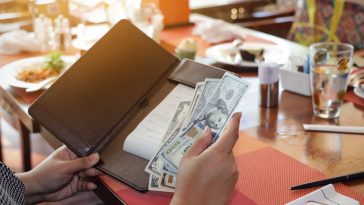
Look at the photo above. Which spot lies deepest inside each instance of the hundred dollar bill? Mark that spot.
(155, 167)
(178, 118)
(168, 181)
(154, 184)
(214, 115)
(158, 162)
(175, 150)
(168, 167)
(196, 96)
(206, 94)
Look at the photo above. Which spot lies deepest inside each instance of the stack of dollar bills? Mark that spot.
(212, 105)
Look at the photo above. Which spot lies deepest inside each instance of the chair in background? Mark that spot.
(329, 20)
(1, 145)
(269, 16)
(274, 18)
(14, 15)
(25, 146)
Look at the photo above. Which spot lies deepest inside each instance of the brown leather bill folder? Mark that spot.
(103, 96)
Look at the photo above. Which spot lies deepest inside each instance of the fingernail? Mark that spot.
(237, 114)
(206, 131)
(94, 157)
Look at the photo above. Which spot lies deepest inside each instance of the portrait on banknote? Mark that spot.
(216, 117)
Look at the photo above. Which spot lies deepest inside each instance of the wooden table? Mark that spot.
(281, 127)
(14, 105)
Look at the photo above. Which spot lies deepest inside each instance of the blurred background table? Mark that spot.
(262, 15)
(281, 127)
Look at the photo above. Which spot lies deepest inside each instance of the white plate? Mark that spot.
(359, 92)
(10, 71)
(229, 54)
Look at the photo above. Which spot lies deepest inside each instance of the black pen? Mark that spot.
(345, 178)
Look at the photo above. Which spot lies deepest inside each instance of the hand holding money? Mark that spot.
(207, 175)
(212, 105)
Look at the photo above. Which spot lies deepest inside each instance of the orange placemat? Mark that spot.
(265, 176)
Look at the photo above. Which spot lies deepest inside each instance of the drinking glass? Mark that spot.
(330, 65)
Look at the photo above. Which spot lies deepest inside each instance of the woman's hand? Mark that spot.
(59, 176)
(207, 175)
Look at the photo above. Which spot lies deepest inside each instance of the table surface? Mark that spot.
(331, 153)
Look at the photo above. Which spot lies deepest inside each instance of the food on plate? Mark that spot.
(187, 49)
(252, 55)
(35, 75)
(52, 66)
(237, 43)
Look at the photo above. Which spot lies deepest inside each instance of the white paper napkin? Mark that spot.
(18, 41)
(326, 195)
(215, 31)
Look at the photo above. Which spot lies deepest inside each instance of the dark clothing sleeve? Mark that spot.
(12, 191)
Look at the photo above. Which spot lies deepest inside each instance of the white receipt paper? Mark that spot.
(324, 196)
(145, 140)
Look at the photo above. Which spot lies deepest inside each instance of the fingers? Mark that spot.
(230, 135)
(200, 144)
(70, 153)
(80, 164)
(64, 153)
(90, 172)
(86, 186)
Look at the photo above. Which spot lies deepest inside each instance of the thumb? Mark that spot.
(200, 144)
(227, 140)
(79, 164)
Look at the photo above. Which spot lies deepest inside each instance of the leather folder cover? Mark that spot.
(103, 96)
